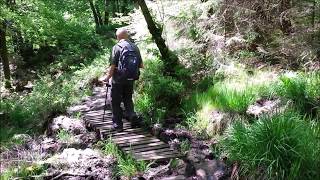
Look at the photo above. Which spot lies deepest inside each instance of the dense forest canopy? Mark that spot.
(230, 84)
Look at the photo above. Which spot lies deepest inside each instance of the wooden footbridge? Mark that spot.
(136, 141)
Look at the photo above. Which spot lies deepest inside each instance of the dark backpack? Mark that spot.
(128, 66)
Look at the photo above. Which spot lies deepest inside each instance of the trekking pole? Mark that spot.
(105, 102)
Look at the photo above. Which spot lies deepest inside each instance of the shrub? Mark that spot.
(157, 93)
(284, 146)
(28, 113)
(23, 171)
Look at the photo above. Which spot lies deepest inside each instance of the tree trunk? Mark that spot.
(94, 12)
(99, 15)
(106, 12)
(124, 7)
(4, 55)
(314, 14)
(118, 6)
(113, 7)
(170, 60)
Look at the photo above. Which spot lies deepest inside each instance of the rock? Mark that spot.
(195, 156)
(84, 162)
(201, 173)
(168, 135)
(263, 106)
(181, 167)
(77, 108)
(157, 129)
(210, 169)
(49, 146)
(174, 144)
(73, 126)
(218, 122)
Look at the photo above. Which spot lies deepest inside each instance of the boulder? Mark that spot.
(50, 146)
(74, 126)
(210, 169)
(77, 108)
(82, 162)
(263, 106)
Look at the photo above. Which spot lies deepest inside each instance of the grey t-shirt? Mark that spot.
(115, 56)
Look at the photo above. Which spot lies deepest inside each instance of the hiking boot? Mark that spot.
(117, 127)
(135, 122)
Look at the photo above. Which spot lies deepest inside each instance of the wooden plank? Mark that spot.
(98, 113)
(108, 128)
(155, 157)
(129, 137)
(97, 118)
(137, 142)
(102, 124)
(145, 147)
(130, 131)
(124, 130)
(116, 136)
(139, 146)
(99, 122)
(155, 152)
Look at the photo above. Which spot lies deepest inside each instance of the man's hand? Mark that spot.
(110, 74)
(107, 79)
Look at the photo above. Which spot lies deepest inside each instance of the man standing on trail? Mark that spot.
(125, 61)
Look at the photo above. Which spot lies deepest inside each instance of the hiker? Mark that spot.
(125, 61)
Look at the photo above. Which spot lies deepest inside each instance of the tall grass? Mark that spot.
(284, 146)
(126, 165)
(232, 99)
(302, 89)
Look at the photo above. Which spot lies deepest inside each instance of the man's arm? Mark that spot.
(113, 63)
(111, 72)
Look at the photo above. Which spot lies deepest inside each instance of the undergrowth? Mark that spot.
(158, 94)
(284, 146)
(126, 165)
(23, 171)
(50, 96)
(303, 90)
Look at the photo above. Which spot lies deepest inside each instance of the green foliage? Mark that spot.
(174, 163)
(188, 20)
(227, 98)
(46, 26)
(126, 164)
(284, 146)
(26, 114)
(185, 146)
(301, 89)
(157, 93)
(232, 100)
(23, 171)
(64, 136)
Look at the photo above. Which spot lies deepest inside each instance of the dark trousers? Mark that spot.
(122, 92)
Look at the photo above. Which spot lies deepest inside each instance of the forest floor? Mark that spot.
(68, 150)
(243, 90)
